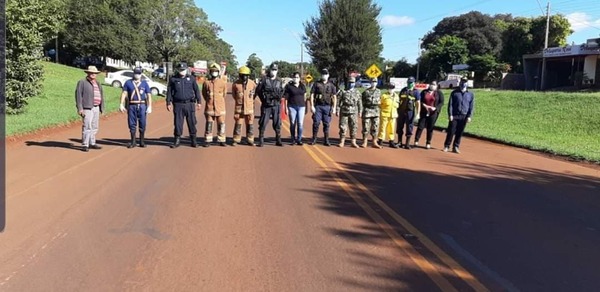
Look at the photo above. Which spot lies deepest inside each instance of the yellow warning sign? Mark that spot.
(308, 78)
(373, 71)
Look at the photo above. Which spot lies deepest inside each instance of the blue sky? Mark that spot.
(268, 27)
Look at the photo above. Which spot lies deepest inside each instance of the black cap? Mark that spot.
(273, 67)
(464, 79)
(137, 70)
(324, 71)
(181, 66)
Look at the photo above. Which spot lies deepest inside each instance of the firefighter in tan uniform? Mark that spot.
(214, 90)
(243, 94)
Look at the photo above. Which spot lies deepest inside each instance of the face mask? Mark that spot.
(244, 77)
(352, 85)
(182, 72)
(137, 76)
(214, 74)
(463, 87)
(374, 84)
(411, 86)
(325, 77)
(433, 87)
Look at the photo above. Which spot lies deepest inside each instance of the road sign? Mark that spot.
(373, 71)
(308, 78)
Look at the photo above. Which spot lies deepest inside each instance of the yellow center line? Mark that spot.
(444, 257)
(430, 270)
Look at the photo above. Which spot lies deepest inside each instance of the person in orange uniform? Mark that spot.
(390, 101)
(243, 94)
(214, 90)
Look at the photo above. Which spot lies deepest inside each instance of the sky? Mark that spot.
(271, 29)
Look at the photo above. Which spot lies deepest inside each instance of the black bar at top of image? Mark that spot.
(2, 115)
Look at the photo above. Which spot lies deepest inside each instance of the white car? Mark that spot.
(452, 81)
(117, 79)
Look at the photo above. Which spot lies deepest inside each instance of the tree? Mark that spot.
(28, 23)
(403, 68)
(559, 31)
(255, 64)
(442, 54)
(480, 32)
(482, 66)
(285, 69)
(345, 36)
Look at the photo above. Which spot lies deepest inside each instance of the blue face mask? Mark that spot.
(352, 85)
(463, 86)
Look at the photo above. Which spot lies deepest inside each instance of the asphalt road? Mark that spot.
(293, 218)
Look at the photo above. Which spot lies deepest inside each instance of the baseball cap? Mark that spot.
(137, 70)
(411, 79)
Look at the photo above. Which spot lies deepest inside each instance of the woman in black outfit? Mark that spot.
(432, 100)
(295, 108)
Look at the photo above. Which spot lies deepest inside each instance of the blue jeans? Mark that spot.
(136, 116)
(296, 114)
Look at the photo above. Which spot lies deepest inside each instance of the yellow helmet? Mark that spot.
(214, 67)
(244, 70)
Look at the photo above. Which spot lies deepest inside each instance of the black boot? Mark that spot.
(393, 145)
(142, 142)
(313, 141)
(261, 140)
(132, 142)
(194, 142)
(177, 142)
(326, 143)
(278, 140)
(407, 145)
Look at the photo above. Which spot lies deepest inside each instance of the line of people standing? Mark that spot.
(384, 115)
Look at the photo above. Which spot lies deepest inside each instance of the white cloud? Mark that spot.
(394, 20)
(581, 21)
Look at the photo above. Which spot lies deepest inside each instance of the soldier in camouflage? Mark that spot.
(371, 98)
(349, 106)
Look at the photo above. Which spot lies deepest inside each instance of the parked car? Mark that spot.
(117, 79)
(159, 73)
(452, 81)
(365, 83)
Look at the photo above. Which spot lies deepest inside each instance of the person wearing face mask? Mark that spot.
(294, 95)
(243, 94)
(409, 108)
(214, 90)
(389, 113)
(371, 100)
(349, 107)
(137, 101)
(183, 98)
(89, 100)
(270, 93)
(460, 110)
(432, 101)
(323, 103)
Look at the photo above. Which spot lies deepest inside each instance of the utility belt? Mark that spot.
(183, 101)
(322, 100)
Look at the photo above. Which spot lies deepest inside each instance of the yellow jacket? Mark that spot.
(389, 105)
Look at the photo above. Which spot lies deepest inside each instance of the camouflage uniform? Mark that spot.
(371, 98)
(349, 106)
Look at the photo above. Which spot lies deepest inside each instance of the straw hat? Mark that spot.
(92, 69)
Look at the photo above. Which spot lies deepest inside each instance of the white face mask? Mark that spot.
(214, 74)
(463, 87)
(182, 72)
(325, 77)
(137, 76)
(433, 87)
(374, 84)
(273, 73)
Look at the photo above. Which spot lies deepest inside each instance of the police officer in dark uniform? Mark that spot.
(323, 104)
(270, 92)
(183, 97)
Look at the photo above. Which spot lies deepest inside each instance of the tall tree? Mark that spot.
(442, 54)
(255, 64)
(28, 24)
(345, 36)
(403, 68)
(478, 30)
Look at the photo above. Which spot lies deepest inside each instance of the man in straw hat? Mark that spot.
(89, 99)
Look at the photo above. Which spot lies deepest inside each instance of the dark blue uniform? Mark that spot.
(323, 101)
(406, 113)
(270, 92)
(137, 97)
(460, 108)
(183, 92)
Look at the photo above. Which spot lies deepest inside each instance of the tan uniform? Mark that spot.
(213, 92)
(243, 94)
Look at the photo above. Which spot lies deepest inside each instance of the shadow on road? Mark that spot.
(534, 229)
(52, 144)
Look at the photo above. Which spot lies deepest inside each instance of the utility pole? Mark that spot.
(418, 59)
(543, 81)
(301, 59)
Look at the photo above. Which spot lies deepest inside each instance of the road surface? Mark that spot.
(293, 218)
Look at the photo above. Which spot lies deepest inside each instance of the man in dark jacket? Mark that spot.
(432, 101)
(460, 111)
(270, 93)
(183, 98)
(89, 100)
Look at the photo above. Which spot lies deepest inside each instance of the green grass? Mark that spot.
(56, 105)
(560, 123)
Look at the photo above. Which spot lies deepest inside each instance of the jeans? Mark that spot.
(296, 114)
